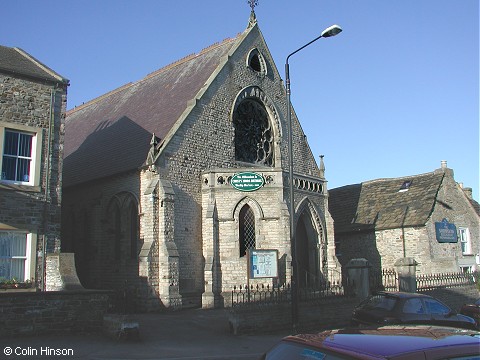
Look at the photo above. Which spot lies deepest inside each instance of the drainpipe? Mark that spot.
(51, 122)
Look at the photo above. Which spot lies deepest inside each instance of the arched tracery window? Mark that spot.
(246, 230)
(253, 133)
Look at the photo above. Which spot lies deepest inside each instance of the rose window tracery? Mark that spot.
(253, 133)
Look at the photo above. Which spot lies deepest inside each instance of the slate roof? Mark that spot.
(379, 205)
(111, 134)
(17, 62)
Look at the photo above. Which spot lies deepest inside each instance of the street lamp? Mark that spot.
(328, 32)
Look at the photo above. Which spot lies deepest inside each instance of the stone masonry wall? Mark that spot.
(40, 313)
(452, 204)
(37, 107)
(205, 141)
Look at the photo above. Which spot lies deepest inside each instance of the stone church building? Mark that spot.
(149, 202)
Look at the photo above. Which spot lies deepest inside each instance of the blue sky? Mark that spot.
(394, 94)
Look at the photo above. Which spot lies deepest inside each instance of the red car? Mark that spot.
(388, 342)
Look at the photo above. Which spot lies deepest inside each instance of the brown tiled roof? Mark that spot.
(111, 134)
(16, 61)
(379, 204)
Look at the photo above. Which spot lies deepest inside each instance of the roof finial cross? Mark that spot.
(252, 4)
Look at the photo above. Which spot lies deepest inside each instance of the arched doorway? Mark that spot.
(306, 238)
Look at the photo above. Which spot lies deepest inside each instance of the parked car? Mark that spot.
(390, 342)
(472, 310)
(386, 308)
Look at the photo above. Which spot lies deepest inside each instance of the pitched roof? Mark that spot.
(379, 204)
(111, 134)
(16, 61)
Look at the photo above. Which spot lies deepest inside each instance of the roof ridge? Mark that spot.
(42, 66)
(397, 178)
(187, 58)
(152, 74)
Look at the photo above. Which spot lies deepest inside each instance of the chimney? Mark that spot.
(444, 169)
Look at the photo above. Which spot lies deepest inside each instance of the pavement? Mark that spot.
(186, 334)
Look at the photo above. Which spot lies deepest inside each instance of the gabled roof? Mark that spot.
(379, 204)
(112, 133)
(17, 62)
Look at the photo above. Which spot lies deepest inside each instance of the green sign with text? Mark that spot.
(247, 181)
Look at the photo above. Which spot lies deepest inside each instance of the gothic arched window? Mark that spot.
(253, 133)
(246, 230)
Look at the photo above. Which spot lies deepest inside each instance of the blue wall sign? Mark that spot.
(446, 232)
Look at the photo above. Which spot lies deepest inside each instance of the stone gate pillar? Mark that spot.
(406, 270)
(358, 277)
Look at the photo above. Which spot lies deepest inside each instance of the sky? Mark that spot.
(393, 95)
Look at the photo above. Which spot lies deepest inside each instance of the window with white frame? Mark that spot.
(17, 156)
(15, 249)
(464, 236)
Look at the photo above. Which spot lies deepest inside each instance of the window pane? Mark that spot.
(25, 145)
(413, 306)
(23, 170)
(19, 245)
(247, 230)
(13, 252)
(434, 307)
(8, 168)
(5, 265)
(11, 143)
(18, 269)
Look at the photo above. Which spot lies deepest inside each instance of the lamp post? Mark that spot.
(328, 32)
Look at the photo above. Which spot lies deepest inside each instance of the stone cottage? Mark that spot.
(32, 113)
(170, 181)
(428, 217)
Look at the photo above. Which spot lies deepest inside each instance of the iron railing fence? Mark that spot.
(383, 280)
(268, 294)
(446, 280)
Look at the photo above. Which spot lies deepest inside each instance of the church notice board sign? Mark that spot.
(446, 232)
(247, 181)
(262, 263)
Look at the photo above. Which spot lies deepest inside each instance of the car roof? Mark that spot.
(388, 341)
(401, 294)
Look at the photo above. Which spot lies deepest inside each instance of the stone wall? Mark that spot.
(37, 107)
(40, 313)
(327, 313)
(334, 312)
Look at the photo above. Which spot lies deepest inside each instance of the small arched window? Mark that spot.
(246, 230)
(256, 62)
